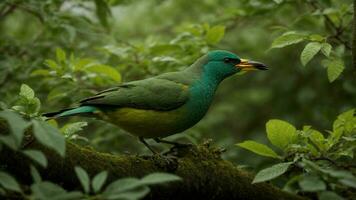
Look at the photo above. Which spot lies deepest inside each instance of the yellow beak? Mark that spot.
(246, 65)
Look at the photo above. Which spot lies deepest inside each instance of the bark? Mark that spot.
(205, 175)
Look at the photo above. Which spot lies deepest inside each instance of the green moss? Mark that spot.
(205, 175)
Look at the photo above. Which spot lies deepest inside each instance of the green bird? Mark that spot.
(166, 104)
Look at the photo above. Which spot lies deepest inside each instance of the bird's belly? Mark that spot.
(151, 123)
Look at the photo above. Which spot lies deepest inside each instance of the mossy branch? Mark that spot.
(205, 175)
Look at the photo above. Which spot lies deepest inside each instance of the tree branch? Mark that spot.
(205, 175)
(338, 30)
(6, 11)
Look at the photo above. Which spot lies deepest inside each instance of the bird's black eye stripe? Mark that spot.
(231, 60)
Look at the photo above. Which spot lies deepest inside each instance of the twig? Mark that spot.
(8, 11)
(29, 10)
(338, 30)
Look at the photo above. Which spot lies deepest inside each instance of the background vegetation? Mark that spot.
(66, 50)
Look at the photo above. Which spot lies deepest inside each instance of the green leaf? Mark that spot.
(51, 64)
(161, 49)
(326, 49)
(9, 141)
(159, 177)
(40, 72)
(133, 194)
(37, 156)
(102, 12)
(33, 106)
(288, 39)
(27, 92)
(271, 172)
(124, 184)
(335, 67)
(49, 136)
(215, 34)
(312, 184)
(61, 55)
(316, 38)
(82, 63)
(310, 50)
(328, 195)
(105, 70)
(47, 190)
(350, 182)
(258, 148)
(35, 174)
(16, 123)
(83, 178)
(280, 133)
(99, 180)
(318, 139)
(58, 92)
(70, 129)
(8, 182)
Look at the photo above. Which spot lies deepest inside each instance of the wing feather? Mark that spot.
(154, 94)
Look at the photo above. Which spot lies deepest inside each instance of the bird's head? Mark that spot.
(221, 64)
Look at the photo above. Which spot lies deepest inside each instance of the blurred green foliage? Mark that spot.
(316, 163)
(66, 50)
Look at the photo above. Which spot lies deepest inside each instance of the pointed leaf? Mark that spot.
(258, 148)
(83, 178)
(271, 172)
(49, 136)
(102, 12)
(328, 195)
(105, 70)
(8, 182)
(51, 64)
(133, 194)
(37, 156)
(70, 129)
(121, 185)
(159, 177)
(280, 133)
(61, 55)
(17, 124)
(48, 190)
(326, 49)
(310, 50)
(26, 92)
(287, 39)
(99, 180)
(9, 141)
(335, 67)
(35, 174)
(312, 184)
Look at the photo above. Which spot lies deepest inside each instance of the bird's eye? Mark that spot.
(231, 60)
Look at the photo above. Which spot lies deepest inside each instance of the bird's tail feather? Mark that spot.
(70, 112)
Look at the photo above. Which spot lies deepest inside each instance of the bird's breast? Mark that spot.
(149, 123)
(153, 123)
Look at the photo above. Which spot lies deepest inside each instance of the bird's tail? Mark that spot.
(71, 111)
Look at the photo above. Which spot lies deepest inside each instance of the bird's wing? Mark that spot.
(154, 94)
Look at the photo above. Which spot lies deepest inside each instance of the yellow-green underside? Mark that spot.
(148, 123)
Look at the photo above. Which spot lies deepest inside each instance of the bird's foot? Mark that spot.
(166, 161)
(178, 150)
(163, 161)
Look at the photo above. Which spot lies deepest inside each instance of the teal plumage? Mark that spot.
(166, 104)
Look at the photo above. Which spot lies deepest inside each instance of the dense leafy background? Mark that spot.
(66, 50)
